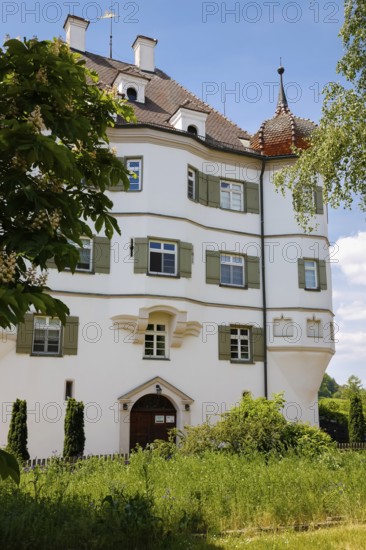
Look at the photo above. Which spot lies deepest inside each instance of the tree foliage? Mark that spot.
(74, 429)
(9, 467)
(338, 145)
(328, 387)
(356, 423)
(55, 164)
(18, 431)
(254, 426)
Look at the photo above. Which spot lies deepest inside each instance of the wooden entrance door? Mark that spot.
(152, 416)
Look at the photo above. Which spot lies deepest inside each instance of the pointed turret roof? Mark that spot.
(284, 130)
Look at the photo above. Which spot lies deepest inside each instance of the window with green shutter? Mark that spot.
(241, 343)
(94, 256)
(230, 269)
(312, 274)
(154, 256)
(45, 336)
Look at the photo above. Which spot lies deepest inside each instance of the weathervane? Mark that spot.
(109, 14)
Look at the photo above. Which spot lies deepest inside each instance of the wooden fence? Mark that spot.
(352, 446)
(46, 461)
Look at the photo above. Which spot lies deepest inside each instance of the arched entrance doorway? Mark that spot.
(152, 416)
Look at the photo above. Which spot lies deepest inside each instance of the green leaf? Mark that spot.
(9, 467)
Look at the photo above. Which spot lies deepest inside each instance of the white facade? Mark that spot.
(109, 373)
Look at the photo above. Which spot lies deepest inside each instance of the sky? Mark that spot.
(227, 53)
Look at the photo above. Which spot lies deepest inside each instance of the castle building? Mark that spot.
(211, 290)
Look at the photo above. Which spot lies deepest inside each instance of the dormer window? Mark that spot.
(131, 94)
(191, 121)
(131, 86)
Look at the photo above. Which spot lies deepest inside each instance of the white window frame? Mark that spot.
(87, 245)
(159, 335)
(231, 189)
(239, 335)
(45, 327)
(163, 252)
(135, 181)
(191, 183)
(229, 260)
(311, 266)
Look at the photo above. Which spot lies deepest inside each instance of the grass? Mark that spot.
(158, 503)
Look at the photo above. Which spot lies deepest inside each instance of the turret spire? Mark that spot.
(282, 104)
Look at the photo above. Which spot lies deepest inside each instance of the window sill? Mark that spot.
(46, 355)
(152, 358)
(166, 275)
(223, 285)
(242, 362)
(312, 289)
(231, 210)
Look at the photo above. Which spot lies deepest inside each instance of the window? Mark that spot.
(232, 270)
(240, 344)
(231, 196)
(69, 389)
(192, 130)
(46, 336)
(42, 335)
(155, 340)
(85, 254)
(312, 274)
(153, 256)
(228, 269)
(94, 256)
(191, 184)
(131, 94)
(162, 258)
(134, 166)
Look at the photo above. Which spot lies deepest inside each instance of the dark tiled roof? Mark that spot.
(277, 135)
(163, 97)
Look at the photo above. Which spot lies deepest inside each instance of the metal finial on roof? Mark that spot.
(282, 100)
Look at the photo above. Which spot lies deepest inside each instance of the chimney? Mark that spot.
(75, 28)
(144, 48)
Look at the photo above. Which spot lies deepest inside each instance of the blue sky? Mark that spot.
(228, 53)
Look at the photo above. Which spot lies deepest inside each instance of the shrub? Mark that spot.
(356, 425)
(74, 429)
(18, 432)
(255, 426)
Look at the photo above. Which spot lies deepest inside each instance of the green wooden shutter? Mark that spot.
(322, 275)
(251, 198)
(213, 191)
(70, 336)
(140, 255)
(101, 255)
(185, 259)
(202, 188)
(319, 208)
(51, 264)
(257, 343)
(252, 272)
(25, 334)
(119, 186)
(224, 343)
(212, 267)
(301, 272)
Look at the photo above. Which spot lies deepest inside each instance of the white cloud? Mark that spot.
(353, 311)
(351, 256)
(352, 345)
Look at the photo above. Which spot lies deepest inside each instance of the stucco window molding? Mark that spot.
(179, 327)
